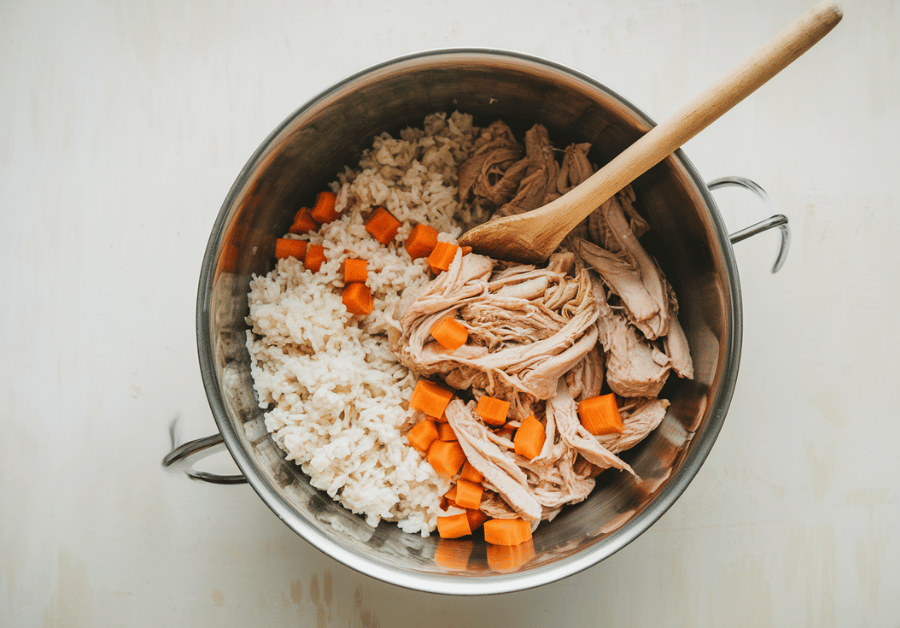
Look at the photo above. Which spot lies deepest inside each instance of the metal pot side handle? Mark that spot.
(183, 457)
(777, 220)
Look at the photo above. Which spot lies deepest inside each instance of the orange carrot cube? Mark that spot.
(476, 518)
(422, 435)
(323, 211)
(357, 298)
(303, 222)
(315, 255)
(355, 270)
(445, 432)
(447, 457)
(430, 398)
(470, 473)
(286, 247)
(453, 526)
(530, 438)
(450, 334)
(507, 531)
(600, 415)
(383, 226)
(421, 241)
(492, 411)
(468, 494)
(442, 256)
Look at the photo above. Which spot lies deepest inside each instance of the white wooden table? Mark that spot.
(123, 124)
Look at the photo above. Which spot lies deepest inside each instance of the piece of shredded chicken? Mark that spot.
(527, 326)
(599, 316)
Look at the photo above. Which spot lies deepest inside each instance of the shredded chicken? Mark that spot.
(625, 266)
(495, 169)
(537, 187)
(527, 326)
(634, 367)
(515, 180)
(575, 169)
(675, 342)
(640, 416)
(599, 316)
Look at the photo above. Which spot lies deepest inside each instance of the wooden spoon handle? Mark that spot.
(663, 139)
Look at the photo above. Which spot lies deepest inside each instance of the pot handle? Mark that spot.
(777, 220)
(183, 457)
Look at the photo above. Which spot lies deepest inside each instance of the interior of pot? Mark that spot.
(687, 238)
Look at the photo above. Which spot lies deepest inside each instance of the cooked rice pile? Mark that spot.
(336, 397)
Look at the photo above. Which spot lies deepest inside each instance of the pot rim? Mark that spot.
(492, 583)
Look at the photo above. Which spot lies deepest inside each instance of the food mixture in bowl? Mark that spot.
(417, 382)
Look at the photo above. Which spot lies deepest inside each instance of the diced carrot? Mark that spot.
(383, 226)
(447, 457)
(446, 503)
(355, 270)
(315, 255)
(600, 415)
(445, 432)
(492, 410)
(451, 494)
(476, 518)
(421, 241)
(530, 437)
(286, 247)
(323, 210)
(453, 553)
(358, 299)
(422, 435)
(303, 222)
(471, 473)
(509, 557)
(506, 531)
(430, 398)
(466, 249)
(440, 419)
(450, 333)
(468, 494)
(442, 256)
(453, 526)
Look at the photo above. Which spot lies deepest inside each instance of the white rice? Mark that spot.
(336, 398)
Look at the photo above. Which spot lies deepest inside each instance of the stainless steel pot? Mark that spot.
(309, 148)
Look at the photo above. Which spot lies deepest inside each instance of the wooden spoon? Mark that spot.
(532, 236)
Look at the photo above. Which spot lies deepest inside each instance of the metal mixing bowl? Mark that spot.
(307, 150)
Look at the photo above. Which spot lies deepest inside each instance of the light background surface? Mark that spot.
(123, 125)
